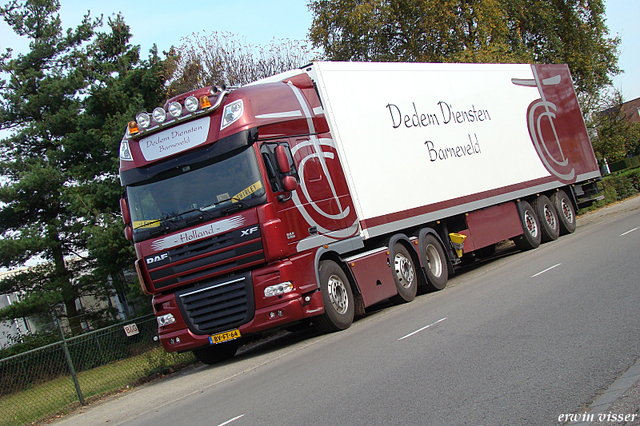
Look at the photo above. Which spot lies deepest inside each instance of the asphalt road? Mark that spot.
(518, 340)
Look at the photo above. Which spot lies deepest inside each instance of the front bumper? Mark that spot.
(262, 313)
(274, 316)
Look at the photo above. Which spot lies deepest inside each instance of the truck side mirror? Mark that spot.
(283, 159)
(124, 209)
(289, 183)
(128, 233)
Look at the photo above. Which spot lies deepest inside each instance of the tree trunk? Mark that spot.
(63, 280)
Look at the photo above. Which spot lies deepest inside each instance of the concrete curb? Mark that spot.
(604, 402)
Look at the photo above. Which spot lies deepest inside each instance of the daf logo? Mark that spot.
(247, 232)
(157, 258)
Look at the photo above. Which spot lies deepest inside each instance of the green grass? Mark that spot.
(59, 396)
(616, 187)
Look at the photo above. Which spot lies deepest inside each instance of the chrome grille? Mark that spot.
(217, 305)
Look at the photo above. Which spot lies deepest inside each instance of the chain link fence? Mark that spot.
(57, 378)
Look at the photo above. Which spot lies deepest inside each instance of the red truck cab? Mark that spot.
(224, 233)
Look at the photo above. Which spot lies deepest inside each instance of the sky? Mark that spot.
(260, 21)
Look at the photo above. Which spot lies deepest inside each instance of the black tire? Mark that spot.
(217, 353)
(566, 212)
(339, 305)
(531, 237)
(435, 263)
(404, 274)
(546, 212)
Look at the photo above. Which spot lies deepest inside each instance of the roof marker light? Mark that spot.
(204, 102)
(175, 109)
(133, 128)
(191, 104)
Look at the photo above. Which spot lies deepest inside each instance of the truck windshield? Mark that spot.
(181, 197)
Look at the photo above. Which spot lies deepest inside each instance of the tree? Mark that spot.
(122, 86)
(40, 104)
(66, 104)
(409, 30)
(222, 58)
(569, 31)
(506, 31)
(615, 136)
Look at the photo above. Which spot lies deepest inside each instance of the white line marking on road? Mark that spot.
(423, 328)
(232, 420)
(546, 270)
(629, 231)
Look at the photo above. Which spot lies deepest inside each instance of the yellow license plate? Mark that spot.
(224, 337)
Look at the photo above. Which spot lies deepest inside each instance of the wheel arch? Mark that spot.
(415, 256)
(326, 253)
(421, 234)
(568, 189)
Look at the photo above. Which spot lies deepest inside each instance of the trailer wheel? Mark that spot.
(435, 263)
(546, 212)
(217, 353)
(337, 298)
(531, 237)
(566, 212)
(404, 274)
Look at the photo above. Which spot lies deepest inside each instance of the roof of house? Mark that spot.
(631, 110)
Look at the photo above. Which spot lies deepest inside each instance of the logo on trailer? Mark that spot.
(541, 121)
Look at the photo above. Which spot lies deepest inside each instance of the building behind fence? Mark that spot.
(59, 377)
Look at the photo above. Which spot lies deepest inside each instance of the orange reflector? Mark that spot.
(133, 128)
(204, 102)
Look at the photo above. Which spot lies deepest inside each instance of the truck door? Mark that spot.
(320, 209)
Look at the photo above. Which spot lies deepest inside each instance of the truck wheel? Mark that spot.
(435, 263)
(404, 274)
(531, 237)
(546, 212)
(566, 212)
(337, 298)
(217, 353)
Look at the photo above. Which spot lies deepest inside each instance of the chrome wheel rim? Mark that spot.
(404, 270)
(434, 262)
(338, 294)
(550, 217)
(532, 226)
(567, 211)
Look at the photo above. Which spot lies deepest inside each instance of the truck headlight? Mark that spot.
(175, 109)
(278, 289)
(143, 119)
(191, 103)
(164, 320)
(159, 114)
